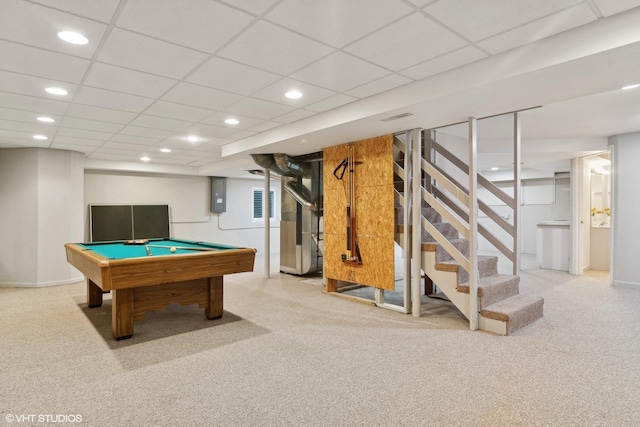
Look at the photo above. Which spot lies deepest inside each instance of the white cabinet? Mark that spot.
(552, 245)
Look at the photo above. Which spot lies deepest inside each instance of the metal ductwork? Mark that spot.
(281, 164)
(301, 196)
(301, 225)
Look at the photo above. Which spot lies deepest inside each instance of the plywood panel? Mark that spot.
(373, 190)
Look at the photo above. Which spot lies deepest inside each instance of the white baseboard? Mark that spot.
(41, 284)
(623, 284)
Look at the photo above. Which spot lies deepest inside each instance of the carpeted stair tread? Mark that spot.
(487, 266)
(518, 311)
(494, 288)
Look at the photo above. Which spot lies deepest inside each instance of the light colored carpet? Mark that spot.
(287, 354)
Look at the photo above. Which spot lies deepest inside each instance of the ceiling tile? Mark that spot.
(32, 127)
(160, 123)
(88, 134)
(71, 140)
(275, 49)
(100, 114)
(539, 29)
(199, 96)
(12, 138)
(337, 22)
(445, 62)
(330, 103)
(241, 135)
(30, 103)
(113, 100)
(381, 85)
(611, 7)
(259, 109)
(26, 116)
(131, 50)
(266, 125)
(145, 132)
(218, 119)
(199, 24)
(35, 25)
(255, 7)
(133, 139)
(119, 79)
(30, 60)
(340, 72)
(178, 111)
(230, 76)
(276, 93)
(75, 123)
(407, 42)
(478, 20)
(102, 10)
(29, 85)
(136, 148)
(208, 131)
(294, 116)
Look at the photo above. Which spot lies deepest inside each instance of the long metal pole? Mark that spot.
(416, 223)
(517, 162)
(473, 225)
(267, 223)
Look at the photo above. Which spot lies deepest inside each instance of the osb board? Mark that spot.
(375, 167)
(377, 267)
(373, 187)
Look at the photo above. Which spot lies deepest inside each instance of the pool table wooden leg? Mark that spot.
(215, 307)
(94, 294)
(122, 313)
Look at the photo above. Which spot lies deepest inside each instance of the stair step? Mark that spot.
(493, 289)
(487, 266)
(517, 311)
(441, 254)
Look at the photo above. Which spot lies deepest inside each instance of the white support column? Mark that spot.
(416, 223)
(517, 162)
(473, 225)
(407, 221)
(267, 223)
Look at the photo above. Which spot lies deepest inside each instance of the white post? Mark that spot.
(416, 222)
(517, 162)
(407, 222)
(267, 223)
(473, 225)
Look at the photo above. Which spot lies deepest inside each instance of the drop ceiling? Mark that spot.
(158, 71)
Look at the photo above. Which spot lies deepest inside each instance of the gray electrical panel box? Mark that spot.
(218, 194)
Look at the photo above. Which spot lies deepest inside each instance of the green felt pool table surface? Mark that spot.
(119, 250)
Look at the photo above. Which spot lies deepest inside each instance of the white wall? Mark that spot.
(625, 208)
(41, 199)
(189, 200)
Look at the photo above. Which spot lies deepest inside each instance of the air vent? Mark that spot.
(399, 116)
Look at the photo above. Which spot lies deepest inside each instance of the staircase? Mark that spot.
(501, 308)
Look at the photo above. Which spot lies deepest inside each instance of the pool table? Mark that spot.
(147, 277)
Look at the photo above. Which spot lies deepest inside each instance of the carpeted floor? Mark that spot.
(287, 354)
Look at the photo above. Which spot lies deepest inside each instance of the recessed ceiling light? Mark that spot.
(73, 37)
(232, 121)
(145, 158)
(192, 138)
(293, 94)
(56, 91)
(40, 137)
(165, 150)
(495, 168)
(633, 86)
(45, 119)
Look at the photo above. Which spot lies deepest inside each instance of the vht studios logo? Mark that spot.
(43, 418)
